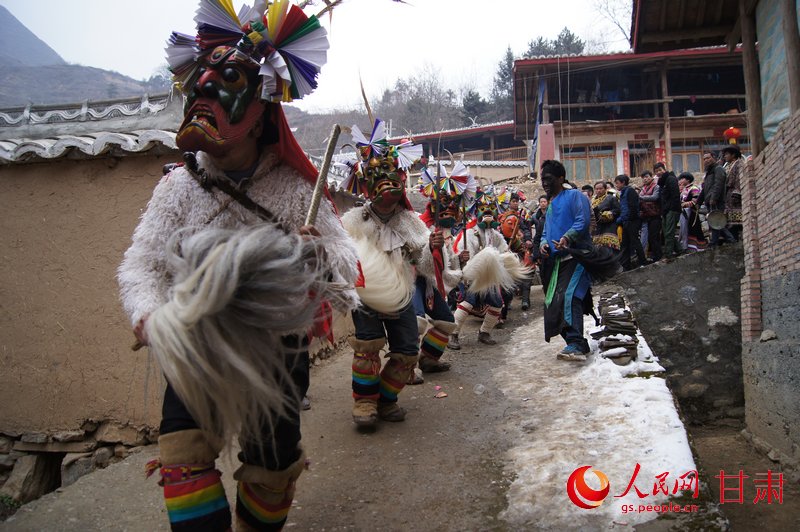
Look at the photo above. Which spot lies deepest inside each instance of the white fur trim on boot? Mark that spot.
(460, 315)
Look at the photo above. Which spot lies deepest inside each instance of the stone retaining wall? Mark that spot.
(688, 310)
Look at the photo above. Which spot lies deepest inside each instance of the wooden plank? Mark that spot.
(719, 11)
(606, 104)
(752, 81)
(791, 38)
(665, 110)
(692, 34)
(681, 13)
(735, 36)
(701, 14)
(708, 96)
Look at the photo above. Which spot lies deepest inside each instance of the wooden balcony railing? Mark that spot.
(504, 154)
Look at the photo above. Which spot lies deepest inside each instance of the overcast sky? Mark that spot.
(462, 40)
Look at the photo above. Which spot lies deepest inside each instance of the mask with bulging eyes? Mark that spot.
(223, 106)
(486, 213)
(448, 209)
(384, 181)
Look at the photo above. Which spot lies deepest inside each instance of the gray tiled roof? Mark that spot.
(88, 129)
(84, 146)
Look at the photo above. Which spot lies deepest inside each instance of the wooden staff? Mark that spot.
(322, 178)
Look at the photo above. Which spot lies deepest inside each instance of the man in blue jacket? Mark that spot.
(566, 284)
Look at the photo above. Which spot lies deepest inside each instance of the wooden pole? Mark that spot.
(752, 81)
(322, 178)
(791, 38)
(545, 103)
(665, 112)
(607, 104)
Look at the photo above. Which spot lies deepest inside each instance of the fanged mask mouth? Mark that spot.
(385, 185)
(202, 116)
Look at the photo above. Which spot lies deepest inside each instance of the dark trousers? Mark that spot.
(493, 298)
(653, 236)
(508, 297)
(525, 290)
(671, 246)
(401, 329)
(725, 233)
(630, 243)
(437, 308)
(279, 446)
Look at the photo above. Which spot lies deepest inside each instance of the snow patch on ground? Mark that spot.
(576, 414)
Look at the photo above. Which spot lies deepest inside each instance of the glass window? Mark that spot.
(594, 168)
(580, 169)
(609, 170)
(692, 162)
(677, 163)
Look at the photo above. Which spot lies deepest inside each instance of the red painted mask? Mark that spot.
(223, 106)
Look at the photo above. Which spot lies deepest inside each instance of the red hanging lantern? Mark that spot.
(732, 133)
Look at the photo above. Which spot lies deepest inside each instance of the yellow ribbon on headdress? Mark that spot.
(227, 5)
(255, 37)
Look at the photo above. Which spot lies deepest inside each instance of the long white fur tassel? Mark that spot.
(489, 268)
(218, 339)
(387, 287)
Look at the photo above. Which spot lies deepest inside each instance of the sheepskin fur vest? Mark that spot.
(478, 238)
(388, 252)
(179, 201)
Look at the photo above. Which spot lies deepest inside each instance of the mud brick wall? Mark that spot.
(65, 342)
(771, 295)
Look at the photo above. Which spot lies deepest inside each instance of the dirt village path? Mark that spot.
(445, 468)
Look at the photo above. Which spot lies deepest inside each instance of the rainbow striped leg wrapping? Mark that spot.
(435, 340)
(193, 491)
(395, 374)
(366, 368)
(195, 498)
(264, 497)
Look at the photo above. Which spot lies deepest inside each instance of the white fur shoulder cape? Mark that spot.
(178, 201)
(387, 252)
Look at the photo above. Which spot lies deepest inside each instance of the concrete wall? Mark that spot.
(688, 310)
(64, 338)
(771, 295)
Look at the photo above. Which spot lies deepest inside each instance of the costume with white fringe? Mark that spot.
(491, 268)
(219, 283)
(449, 196)
(391, 240)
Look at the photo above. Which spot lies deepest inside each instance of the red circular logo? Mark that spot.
(581, 494)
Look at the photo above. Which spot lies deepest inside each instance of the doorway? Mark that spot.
(642, 157)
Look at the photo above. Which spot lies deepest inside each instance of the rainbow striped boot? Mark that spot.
(393, 379)
(433, 345)
(264, 497)
(193, 491)
(366, 380)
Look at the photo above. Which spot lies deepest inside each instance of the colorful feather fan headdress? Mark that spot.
(459, 184)
(289, 46)
(377, 145)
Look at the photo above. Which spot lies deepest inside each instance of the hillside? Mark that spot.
(20, 47)
(59, 84)
(32, 72)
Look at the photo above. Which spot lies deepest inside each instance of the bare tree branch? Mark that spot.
(618, 12)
